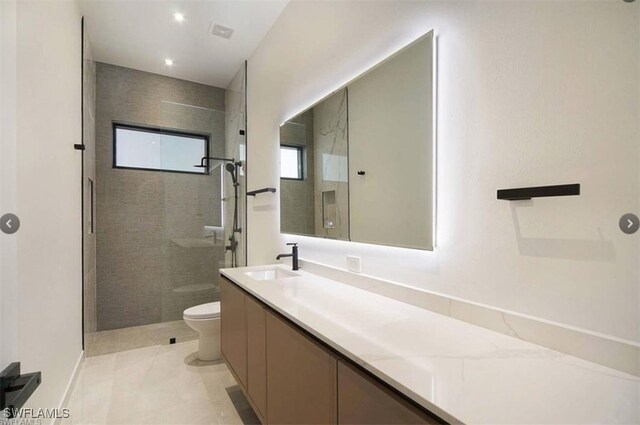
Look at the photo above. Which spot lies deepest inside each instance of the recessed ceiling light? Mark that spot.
(168, 62)
(179, 17)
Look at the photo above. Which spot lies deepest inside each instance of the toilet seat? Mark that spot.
(203, 311)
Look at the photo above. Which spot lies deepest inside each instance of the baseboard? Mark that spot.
(70, 386)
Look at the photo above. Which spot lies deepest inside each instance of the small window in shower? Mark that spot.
(154, 149)
(291, 158)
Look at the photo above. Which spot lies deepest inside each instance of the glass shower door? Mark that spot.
(192, 240)
(236, 148)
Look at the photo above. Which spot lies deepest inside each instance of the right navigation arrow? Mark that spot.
(629, 223)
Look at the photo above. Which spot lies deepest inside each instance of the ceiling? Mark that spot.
(142, 34)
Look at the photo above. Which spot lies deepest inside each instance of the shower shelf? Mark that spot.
(266, 189)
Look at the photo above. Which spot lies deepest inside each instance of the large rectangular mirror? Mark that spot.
(359, 164)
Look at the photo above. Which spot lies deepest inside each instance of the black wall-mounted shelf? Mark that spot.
(523, 193)
(266, 189)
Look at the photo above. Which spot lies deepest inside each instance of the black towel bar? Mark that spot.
(539, 192)
(266, 189)
(15, 389)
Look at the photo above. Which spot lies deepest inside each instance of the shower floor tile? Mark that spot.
(117, 340)
(159, 384)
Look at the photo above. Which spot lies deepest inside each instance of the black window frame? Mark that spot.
(160, 130)
(301, 167)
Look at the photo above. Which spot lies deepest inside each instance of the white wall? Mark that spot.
(530, 93)
(48, 195)
(8, 245)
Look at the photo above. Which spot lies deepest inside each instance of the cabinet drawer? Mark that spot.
(301, 377)
(257, 355)
(233, 329)
(362, 400)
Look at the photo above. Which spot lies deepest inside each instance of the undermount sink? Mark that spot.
(270, 274)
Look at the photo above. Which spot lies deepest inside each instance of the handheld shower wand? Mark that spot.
(232, 168)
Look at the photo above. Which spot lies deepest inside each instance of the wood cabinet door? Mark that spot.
(362, 400)
(257, 355)
(233, 329)
(301, 377)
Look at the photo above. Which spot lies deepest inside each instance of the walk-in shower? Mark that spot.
(163, 228)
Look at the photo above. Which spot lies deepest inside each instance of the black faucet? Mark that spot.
(293, 255)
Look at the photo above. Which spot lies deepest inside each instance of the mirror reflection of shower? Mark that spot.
(232, 168)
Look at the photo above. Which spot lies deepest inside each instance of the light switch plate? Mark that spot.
(353, 264)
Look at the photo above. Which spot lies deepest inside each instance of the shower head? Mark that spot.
(231, 168)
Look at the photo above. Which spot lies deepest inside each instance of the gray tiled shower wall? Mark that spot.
(152, 258)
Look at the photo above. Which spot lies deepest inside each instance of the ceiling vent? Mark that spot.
(220, 31)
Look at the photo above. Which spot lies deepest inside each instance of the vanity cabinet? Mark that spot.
(257, 356)
(233, 330)
(289, 377)
(301, 377)
(362, 400)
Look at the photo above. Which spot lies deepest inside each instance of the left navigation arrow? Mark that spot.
(9, 223)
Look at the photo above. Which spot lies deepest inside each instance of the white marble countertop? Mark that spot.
(461, 372)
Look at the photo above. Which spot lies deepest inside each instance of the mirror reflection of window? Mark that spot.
(291, 162)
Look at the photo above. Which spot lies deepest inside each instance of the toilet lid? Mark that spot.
(203, 311)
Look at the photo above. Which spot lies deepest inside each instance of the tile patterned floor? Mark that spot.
(113, 341)
(159, 384)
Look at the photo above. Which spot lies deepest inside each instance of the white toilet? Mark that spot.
(205, 319)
